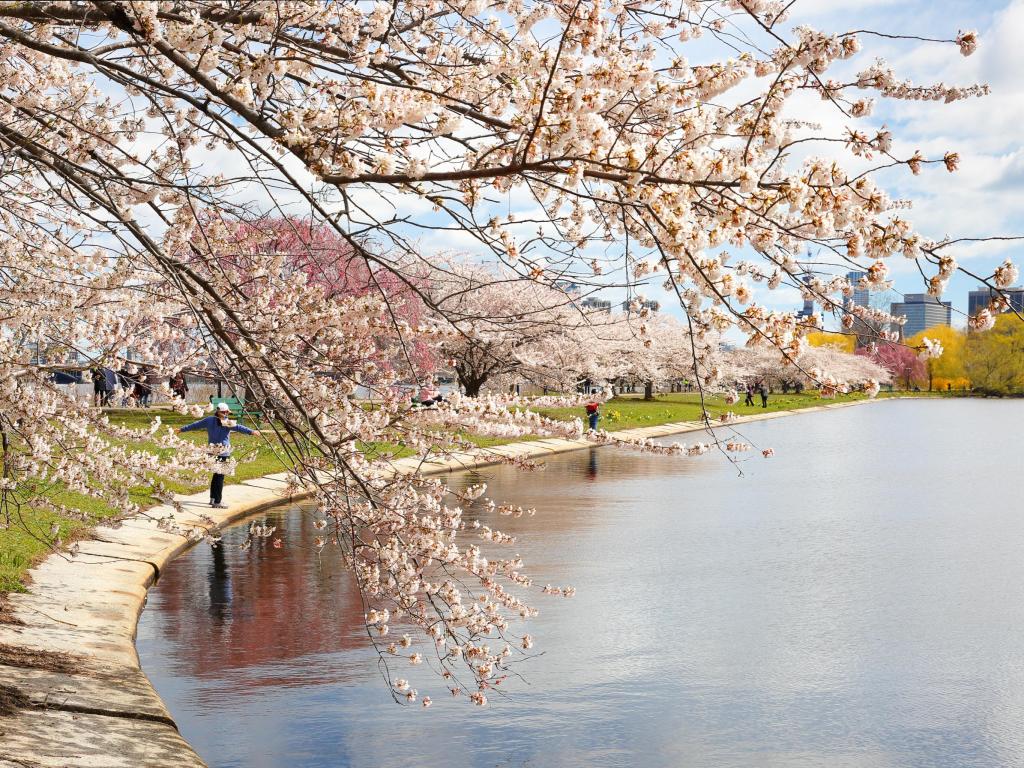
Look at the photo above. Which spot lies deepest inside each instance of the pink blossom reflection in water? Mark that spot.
(857, 600)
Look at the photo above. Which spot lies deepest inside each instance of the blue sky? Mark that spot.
(986, 196)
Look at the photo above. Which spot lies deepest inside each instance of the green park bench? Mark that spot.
(238, 409)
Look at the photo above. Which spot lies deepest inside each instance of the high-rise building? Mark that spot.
(922, 312)
(979, 299)
(867, 330)
(809, 305)
(861, 296)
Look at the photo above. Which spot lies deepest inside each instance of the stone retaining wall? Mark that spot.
(72, 692)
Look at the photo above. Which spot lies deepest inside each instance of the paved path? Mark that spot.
(71, 689)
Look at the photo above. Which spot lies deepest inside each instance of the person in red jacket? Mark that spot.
(593, 411)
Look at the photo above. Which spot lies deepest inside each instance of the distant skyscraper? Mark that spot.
(861, 296)
(867, 331)
(922, 312)
(809, 305)
(980, 298)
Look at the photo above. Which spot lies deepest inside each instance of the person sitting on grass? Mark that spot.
(218, 431)
(427, 398)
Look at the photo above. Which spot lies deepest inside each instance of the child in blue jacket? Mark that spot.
(218, 431)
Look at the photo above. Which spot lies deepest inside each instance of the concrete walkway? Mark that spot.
(71, 689)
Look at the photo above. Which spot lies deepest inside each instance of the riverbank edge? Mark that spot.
(72, 691)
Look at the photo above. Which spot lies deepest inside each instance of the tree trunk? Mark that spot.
(470, 384)
(648, 390)
(5, 444)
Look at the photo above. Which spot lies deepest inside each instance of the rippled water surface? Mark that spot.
(858, 600)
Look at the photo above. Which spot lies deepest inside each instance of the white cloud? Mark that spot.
(985, 197)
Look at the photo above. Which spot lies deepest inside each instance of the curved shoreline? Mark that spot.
(72, 692)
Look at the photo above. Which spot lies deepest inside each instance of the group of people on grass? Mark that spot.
(758, 388)
(132, 385)
(427, 396)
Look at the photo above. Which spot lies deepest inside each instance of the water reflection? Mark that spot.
(220, 586)
(854, 601)
(263, 607)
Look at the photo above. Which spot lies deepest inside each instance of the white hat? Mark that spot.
(223, 407)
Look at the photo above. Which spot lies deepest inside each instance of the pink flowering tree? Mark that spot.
(904, 364)
(136, 135)
(324, 260)
(499, 327)
(642, 347)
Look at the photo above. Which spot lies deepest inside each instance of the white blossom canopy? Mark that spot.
(138, 139)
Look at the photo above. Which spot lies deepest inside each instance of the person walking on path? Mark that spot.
(593, 413)
(153, 383)
(764, 395)
(126, 384)
(750, 395)
(141, 391)
(146, 382)
(218, 431)
(104, 382)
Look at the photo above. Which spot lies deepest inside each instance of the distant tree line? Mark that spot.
(987, 362)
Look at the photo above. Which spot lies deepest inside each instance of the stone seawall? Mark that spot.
(72, 692)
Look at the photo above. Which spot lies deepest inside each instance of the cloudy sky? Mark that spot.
(984, 198)
(986, 195)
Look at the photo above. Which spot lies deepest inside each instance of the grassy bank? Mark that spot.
(629, 411)
(25, 541)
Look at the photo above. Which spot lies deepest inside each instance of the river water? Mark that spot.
(854, 601)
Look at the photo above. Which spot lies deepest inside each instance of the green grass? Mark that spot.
(629, 412)
(926, 393)
(256, 456)
(25, 541)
